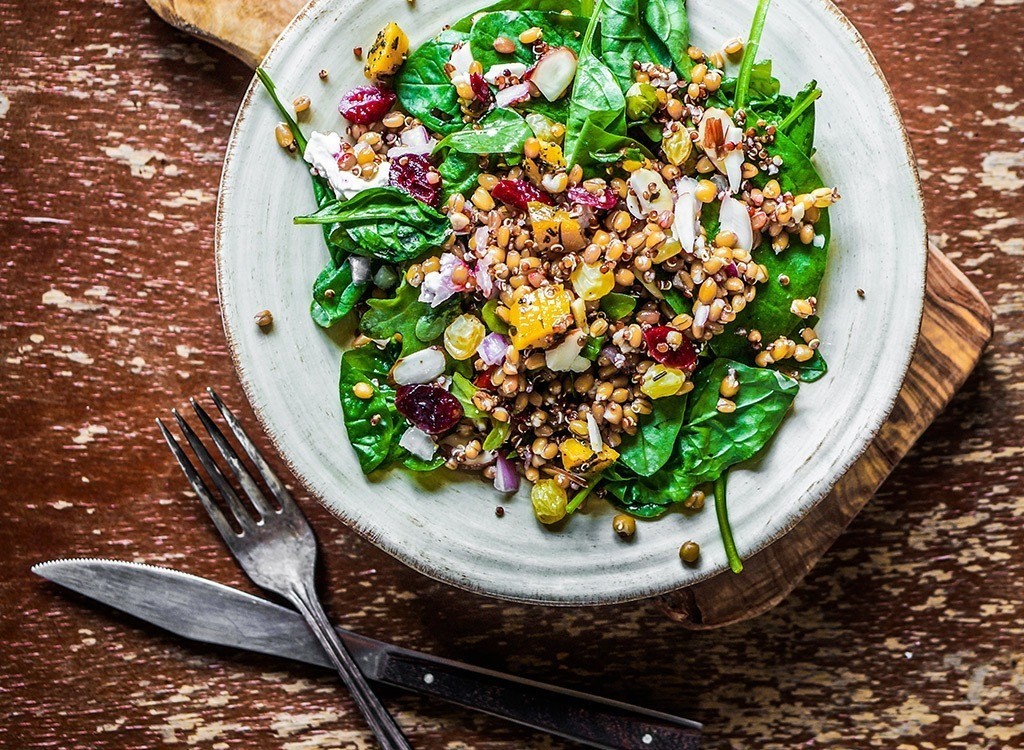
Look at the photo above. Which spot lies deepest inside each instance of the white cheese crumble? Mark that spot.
(322, 152)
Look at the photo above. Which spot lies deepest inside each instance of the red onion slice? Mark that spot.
(506, 478)
(510, 95)
(493, 348)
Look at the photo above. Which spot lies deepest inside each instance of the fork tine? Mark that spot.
(239, 469)
(226, 490)
(198, 485)
(276, 486)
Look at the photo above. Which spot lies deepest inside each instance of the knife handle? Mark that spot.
(596, 722)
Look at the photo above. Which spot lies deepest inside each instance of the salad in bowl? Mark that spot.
(578, 252)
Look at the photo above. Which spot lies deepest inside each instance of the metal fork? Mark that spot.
(277, 549)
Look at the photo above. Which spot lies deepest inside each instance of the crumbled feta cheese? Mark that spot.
(322, 152)
(504, 69)
(461, 59)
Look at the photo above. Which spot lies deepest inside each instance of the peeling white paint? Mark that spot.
(138, 160)
(88, 433)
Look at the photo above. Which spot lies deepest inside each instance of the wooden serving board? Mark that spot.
(955, 329)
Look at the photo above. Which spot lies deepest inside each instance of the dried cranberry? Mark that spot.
(480, 88)
(409, 173)
(518, 193)
(605, 199)
(365, 104)
(429, 407)
(683, 358)
(732, 271)
(483, 380)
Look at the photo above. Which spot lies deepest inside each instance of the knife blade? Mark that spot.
(210, 612)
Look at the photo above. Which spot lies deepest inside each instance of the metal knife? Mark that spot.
(210, 612)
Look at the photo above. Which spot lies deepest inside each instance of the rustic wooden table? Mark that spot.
(112, 127)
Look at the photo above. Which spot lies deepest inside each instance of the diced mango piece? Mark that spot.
(579, 457)
(605, 458)
(553, 226)
(534, 314)
(574, 454)
(387, 53)
(551, 154)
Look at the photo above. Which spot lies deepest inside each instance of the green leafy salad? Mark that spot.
(577, 250)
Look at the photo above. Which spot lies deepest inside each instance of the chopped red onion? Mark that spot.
(506, 478)
(614, 355)
(413, 141)
(493, 348)
(439, 285)
(482, 274)
(510, 95)
(604, 199)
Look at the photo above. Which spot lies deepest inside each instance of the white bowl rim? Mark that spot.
(615, 597)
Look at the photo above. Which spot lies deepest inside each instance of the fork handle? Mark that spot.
(387, 732)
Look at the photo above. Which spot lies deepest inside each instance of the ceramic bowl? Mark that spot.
(445, 526)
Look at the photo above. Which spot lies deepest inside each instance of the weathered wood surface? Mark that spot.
(112, 128)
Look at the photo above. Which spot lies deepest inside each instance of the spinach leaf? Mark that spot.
(709, 441)
(500, 131)
(678, 301)
(418, 323)
(762, 87)
(459, 173)
(798, 124)
(463, 390)
(669, 23)
(743, 80)
(334, 294)
(465, 24)
(652, 445)
(597, 147)
(558, 31)
(433, 320)
(806, 372)
(415, 463)
(373, 425)
(623, 40)
(769, 312)
(597, 107)
(577, 500)
(498, 435)
(557, 111)
(490, 315)
(425, 91)
(337, 276)
(384, 223)
(735, 563)
(592, 349)
(617, 306)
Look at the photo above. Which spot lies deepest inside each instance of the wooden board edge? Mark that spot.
(244, 29)
(955, 329)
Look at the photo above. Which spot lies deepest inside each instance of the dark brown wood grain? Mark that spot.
(112, 127)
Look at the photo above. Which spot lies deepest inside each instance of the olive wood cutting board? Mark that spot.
(956, 327)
